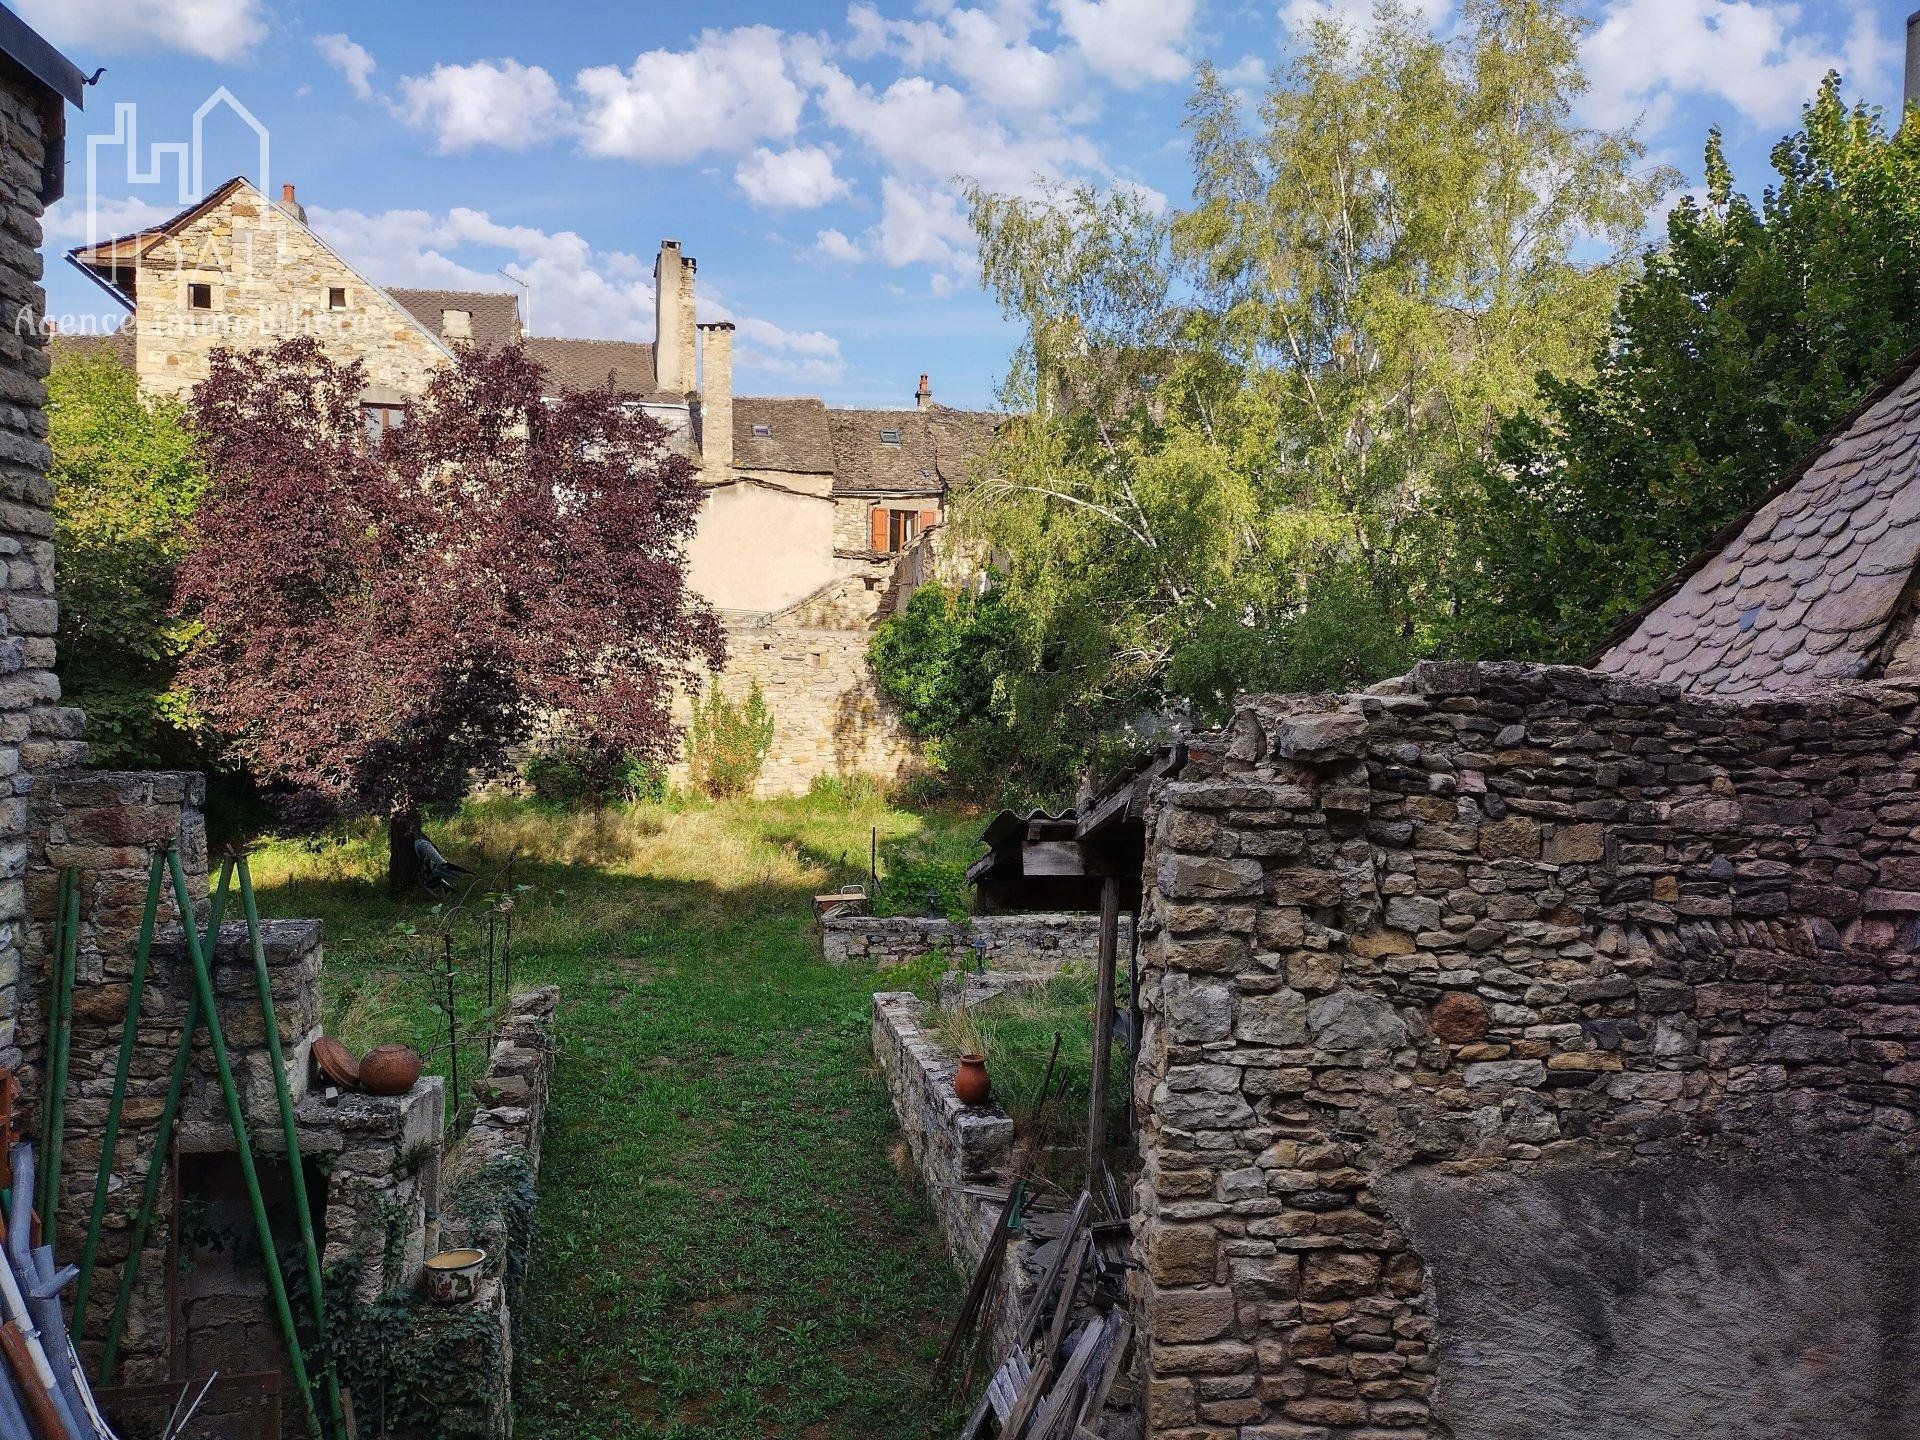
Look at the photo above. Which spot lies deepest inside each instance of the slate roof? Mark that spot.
(1809, 586)
(935, 448)
(496, 317)
(800, 442)
(623, 366)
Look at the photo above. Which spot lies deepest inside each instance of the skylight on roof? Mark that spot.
(763, 432)
(889, 437)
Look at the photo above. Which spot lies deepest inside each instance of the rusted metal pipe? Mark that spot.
(38, 1401)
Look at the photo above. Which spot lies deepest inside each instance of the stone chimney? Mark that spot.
(673, 335)
(1911, 95)
(294, 208)
(923, 397)
(716, 399)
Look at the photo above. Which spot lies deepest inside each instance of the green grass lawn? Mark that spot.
(725, 1246)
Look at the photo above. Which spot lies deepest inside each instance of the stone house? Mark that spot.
(818, 520)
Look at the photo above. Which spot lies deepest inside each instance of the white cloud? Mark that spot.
(217, 29)
(919, 128)
(801, 178)
(992, 51)
(571, 288)
(490, 102)
(350, 59)
(732, 88)
(66, 222)
(1645, 54)
(1131, 42)
(922, 225)
(834, 245)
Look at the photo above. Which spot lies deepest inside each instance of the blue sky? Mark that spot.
(802, 151)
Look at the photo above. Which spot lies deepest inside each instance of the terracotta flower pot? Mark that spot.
(970, 1081)
(389, 1070)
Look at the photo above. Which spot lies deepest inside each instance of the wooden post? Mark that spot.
(1103, 1032)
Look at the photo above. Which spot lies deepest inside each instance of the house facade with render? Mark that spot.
(818, 520)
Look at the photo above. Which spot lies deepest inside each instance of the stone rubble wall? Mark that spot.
(954, 1145)
(828, 714)
(38, 735)
(513, 1096)
(1020, 944)
(1532, 1053)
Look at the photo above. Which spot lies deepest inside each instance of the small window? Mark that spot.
(889, 437)
(902, 526)
(382, 420)
(199, 296)
(337, 297)
(763, 432)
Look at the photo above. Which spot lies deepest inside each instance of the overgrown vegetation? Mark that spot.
(125, 488)
(1231, 428)
(728, 740)
(1403, 381)
(1014, 1031)
(722, 1248)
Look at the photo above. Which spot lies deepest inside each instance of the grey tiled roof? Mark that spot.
(797, 441)
(622, 366)
(934, 448)
(1808, 586)
(496, 317)
(115, 343)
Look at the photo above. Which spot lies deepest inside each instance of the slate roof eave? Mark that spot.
(1727, 534)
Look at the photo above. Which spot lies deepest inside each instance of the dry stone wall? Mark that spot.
(1531, 1053)
(1036, 944)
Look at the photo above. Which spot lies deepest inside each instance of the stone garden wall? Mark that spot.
(954, 1146)
(1036, 944)
(1534, 1054)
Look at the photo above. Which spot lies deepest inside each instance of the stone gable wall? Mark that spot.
(1530, 1053)
(270, 278)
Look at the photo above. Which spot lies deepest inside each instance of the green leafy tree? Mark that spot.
(1737, 345)
(125, 488)
(728, 741)
(1231, 430)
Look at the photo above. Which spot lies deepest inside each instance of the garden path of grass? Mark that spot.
(724, 1245)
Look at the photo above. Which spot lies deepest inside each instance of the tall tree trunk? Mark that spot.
(403, 862)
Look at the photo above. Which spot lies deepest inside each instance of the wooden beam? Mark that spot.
(1102, 1033)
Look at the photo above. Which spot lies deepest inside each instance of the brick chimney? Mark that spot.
(1911, 95)
(673, 332)
(716, 399)
(290, 204)
(923, 397)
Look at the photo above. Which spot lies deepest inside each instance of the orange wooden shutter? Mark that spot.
(879, 518)
(929, 519)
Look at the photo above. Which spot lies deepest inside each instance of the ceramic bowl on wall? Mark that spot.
(389, 1070)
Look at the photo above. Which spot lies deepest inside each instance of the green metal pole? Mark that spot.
(335, 1416)
(128, 1032)
(150, 1195)
(210, 1013)
(61, 1048)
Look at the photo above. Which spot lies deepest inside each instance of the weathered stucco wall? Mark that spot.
(1016, 944)
(1533, 1054)
(760, 548)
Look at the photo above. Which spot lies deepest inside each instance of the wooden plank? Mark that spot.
(1031, 1322)
(1060, 1398)
(1052, 857)
(1112, 1362)
(1103, 1034)
(1030, 1396)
